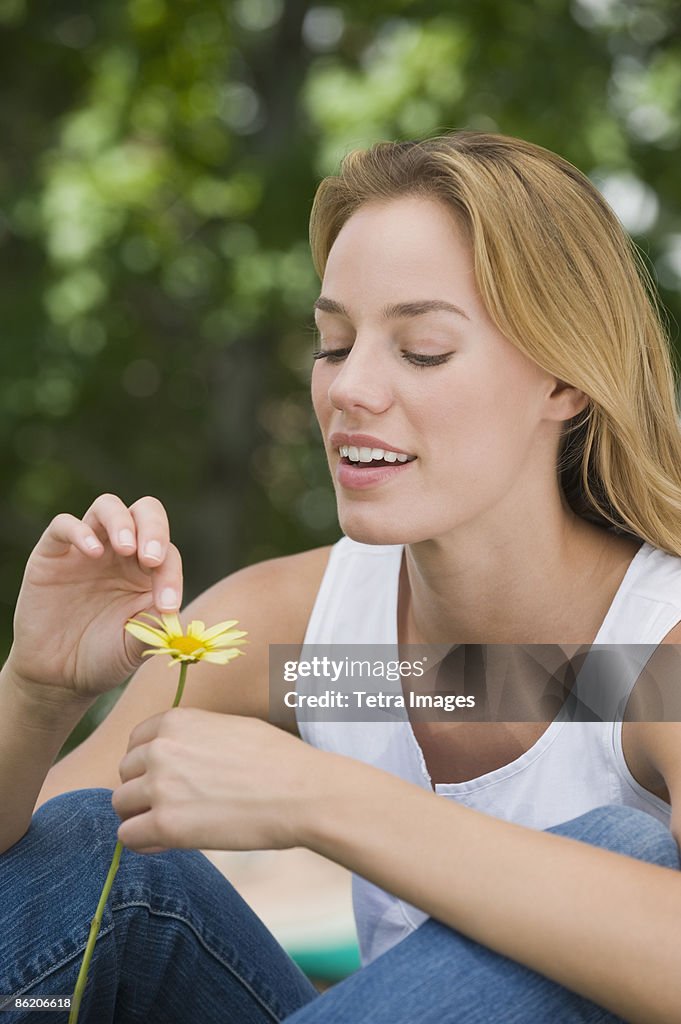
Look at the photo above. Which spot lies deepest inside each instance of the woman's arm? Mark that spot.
(82, 581)
(602, 924)
(31, 735)
(70, 646)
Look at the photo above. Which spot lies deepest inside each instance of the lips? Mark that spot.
(363, 477)
(338, 440)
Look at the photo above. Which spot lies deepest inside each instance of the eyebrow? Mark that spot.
(400, 310)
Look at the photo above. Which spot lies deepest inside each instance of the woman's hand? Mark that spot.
(84, 579)
(204, 780)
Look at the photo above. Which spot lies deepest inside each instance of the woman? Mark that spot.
(481, 314)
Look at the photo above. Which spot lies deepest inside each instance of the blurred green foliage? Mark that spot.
(158, 166)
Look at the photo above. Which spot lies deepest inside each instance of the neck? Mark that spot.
(529, 584)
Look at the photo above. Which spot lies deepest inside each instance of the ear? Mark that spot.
(565, 401)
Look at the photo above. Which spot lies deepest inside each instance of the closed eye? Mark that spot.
(421, 359)
(414, 358)
(334, 355)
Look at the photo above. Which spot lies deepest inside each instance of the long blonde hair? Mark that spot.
(563, 281)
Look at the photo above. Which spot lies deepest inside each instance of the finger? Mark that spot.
(131, 799)
(145, 731)
(111, 520)
(65, 531)
(140, 833)
(134, 763)
(152, 530)
(128, 834)
(167, 581)
(142, 529)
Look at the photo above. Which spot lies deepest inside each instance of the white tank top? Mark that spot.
(572, 768)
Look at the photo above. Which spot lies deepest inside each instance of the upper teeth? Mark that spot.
(371, 454)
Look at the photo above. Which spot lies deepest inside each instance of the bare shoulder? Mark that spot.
(272, 599)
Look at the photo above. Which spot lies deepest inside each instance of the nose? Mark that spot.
(361, 382)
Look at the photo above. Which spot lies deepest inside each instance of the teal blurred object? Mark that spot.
(331, 963)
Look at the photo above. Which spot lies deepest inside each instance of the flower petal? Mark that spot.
(155, 629)
(172, 624)
(196, 628)
(222, 657)
(154, 618)
(228, 639)
(221, 627)
(147, 634)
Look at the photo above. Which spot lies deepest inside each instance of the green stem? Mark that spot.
(180, 685)
(99, 912)
(92, 937)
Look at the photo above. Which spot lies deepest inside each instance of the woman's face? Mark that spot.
(412, 364)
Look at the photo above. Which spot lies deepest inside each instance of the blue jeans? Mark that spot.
(178, 943)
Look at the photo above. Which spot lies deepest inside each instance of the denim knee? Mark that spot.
(78, 820)
(175, 934)
(51, 880)
(78, 801)
(626, 830)
(76, 813)
(67, 850)
(75, 834)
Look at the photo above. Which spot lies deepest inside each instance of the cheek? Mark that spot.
(319, 393)
(482, 425)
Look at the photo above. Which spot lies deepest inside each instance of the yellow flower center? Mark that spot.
(185, 644)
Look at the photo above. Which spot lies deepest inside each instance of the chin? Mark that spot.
(372, 528)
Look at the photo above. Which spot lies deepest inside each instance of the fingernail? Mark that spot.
(126, 539)
(92, 543)
(153, 549)
(168, 598)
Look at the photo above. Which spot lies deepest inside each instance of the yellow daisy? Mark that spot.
(218, 644)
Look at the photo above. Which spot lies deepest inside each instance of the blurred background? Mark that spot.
(157, 167)
(158, 163)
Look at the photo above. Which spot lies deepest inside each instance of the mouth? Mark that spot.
(371, 458)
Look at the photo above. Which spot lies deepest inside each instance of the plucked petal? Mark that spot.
(146, 634)
(154, 618)
(172, 624)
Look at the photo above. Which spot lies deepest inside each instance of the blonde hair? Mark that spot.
(562, 280)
